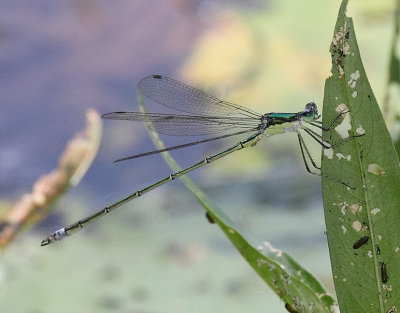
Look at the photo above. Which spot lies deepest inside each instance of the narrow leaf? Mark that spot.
(391, 104)
(363, 221)
(393, 79)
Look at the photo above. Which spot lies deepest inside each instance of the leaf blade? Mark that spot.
(370, 163)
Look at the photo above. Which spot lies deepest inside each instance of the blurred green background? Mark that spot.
(158, 254)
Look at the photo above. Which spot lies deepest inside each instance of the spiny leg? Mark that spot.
(326, 144)
(317, 137)
(319, 123)
(323, 142)
(303, 148)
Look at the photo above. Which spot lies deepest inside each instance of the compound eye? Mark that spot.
(311, 106)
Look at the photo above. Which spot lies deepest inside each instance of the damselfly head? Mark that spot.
(310, 113)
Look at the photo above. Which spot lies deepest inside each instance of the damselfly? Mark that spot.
(204, 114)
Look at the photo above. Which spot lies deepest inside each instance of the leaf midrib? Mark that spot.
(368, 208)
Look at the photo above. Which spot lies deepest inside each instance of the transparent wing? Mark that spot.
(186, 125)
(181, 97)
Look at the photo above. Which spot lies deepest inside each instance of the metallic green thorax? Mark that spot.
(279, 123)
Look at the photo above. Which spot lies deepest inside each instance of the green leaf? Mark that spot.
(391, 105)
(292, 283)
(369, 164)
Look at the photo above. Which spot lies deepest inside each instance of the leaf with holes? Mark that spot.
(363, 221)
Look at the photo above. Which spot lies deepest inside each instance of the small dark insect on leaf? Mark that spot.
(378, 250)
(290, 309)
(360, 242)
(209, 218)
(347, 35)
(384, 274)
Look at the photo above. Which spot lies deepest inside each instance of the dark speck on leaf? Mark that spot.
(360, 242)
(289, 308)
(384, 274)
(209, 218)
